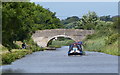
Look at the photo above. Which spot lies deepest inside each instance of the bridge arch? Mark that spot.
(65, 36)
(42, 37)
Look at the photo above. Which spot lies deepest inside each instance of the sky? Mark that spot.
(68, 9)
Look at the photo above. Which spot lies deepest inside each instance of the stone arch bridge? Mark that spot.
(42, 37)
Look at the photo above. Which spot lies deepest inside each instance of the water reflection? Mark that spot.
(58, 61)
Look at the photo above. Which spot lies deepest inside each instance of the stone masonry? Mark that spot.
(42, 37)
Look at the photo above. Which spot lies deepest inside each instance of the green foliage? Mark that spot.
(105, 39)
(88, 21)
(59, 43)
(8, 58)
(112, 49)
(33, 46)
(62, 38)
(2, 48)
(89, 36)
(111, 39)
(70, 20)
(106, 18)
(106, 32)
(54, 46)
(102, 25)
(116, 24)
(21, 19)
(95, 44)
(71, 25)
(99, 45)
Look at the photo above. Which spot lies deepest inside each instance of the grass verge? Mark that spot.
(99, 45)
(9, 57)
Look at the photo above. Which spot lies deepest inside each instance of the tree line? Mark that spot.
(88, 21)
(104, 25)
(21, 19)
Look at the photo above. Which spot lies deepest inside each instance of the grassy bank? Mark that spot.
(9, 57)
(99, 44)
(3, 49)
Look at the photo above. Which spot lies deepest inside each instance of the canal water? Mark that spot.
(57, 61)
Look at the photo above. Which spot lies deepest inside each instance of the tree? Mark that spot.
(21, 19)
(70, 20)
(88, 21)
(106, 18)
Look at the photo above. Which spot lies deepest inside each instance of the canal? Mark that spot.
(57, 61)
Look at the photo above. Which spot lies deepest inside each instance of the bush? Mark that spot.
(111, 39)
(8, 58)
(103, 44)
(94, 44)
(33, 46)
(2, 48)
(112, 49)
(89, 36)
